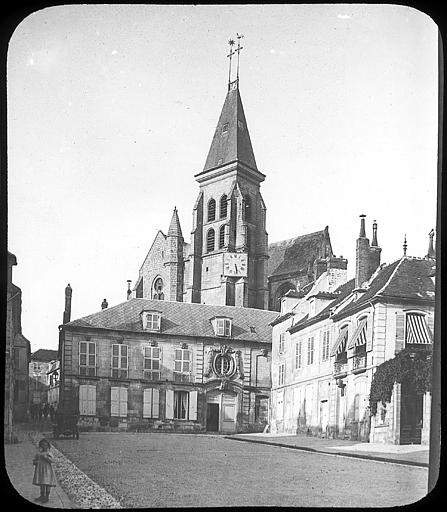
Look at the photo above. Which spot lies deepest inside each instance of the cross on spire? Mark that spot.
(231, 42)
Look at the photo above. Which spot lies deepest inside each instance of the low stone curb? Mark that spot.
(82, 490)
(343, 454)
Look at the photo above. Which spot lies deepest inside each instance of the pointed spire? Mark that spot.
(374, 238)
(174, 227)
(405, 245)
(362, 233)
(431, 254)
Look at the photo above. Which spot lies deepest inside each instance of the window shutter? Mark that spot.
(91, 409)
(400, 331)
(123, 401)
(147, 403)
(193, 405)
(82, 400)
(155, 403)
(431, 323)
(169, 404)
(114, 401)
(369, 333)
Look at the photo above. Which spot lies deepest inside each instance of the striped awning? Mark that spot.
(359, 336)
(340, 343)
(417, 331)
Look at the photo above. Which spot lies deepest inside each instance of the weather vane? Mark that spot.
(238, 51)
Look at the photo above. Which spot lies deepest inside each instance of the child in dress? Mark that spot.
(43, 472)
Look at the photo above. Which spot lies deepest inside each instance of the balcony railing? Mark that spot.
(341, 367)
(359, 362)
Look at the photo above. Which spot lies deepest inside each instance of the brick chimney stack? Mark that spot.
(104, 304)
(367, 256)
(129, 291)
(67, 311)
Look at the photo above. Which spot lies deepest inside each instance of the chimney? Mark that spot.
(104, 304)
(129, 291)
(405, 244)
(367, 257)
(67, 311)
(431, 254)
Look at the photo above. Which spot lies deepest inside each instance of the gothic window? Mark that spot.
(211, 210)
(247, 209)
(210, 240)
(222, 236)
(223, 207)
(157, 289)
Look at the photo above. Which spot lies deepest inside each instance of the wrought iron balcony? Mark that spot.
(340, 367)
(359, 363)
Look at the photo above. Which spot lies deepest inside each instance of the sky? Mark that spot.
(112, 109)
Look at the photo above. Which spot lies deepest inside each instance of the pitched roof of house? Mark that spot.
(231, 141)
(295, 254)
(182, 319)
(407, 278)
(44, 355)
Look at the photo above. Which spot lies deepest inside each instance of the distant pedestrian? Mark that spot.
(51, 410)
(46, 409)
(43, 472)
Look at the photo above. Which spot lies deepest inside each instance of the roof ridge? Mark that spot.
(296, 237)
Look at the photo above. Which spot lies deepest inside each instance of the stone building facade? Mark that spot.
(17, 354)
(327, 345)
(168, 366)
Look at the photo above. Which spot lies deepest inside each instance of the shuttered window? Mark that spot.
(221, 236)
(87, 358)
(210, 240)
(120, 361)
(87, 400)
(182, 365)
(151, 403)
(223, 327)
(310, 350)
(325, 346)
(151, 365)
(298, 348)
(211, 210)
(281, 374)
(223, 207)
(118, 402)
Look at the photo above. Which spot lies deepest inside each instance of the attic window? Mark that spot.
(225, 128)
(252, 329)
(152, 320)
(222, 326)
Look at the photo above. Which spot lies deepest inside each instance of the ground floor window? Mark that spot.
(151, 403)
(118, 401)
(87, 400)
(181, 403)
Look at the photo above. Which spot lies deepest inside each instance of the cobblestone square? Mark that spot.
(170, 470)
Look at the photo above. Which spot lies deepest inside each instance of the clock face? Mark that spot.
(235, 264)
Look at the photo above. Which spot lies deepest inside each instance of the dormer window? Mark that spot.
(225, 128)
(151, 320)
(222, 326)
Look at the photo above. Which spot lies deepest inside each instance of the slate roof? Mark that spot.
(44, 355)
(182, 319)
(407, 278)
(295, 254)
(342, 292)
(234, 144)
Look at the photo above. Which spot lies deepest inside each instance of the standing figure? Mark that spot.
(51, 413)
(43, 471)
(45, 411)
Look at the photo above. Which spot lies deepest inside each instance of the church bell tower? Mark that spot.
(228, 252)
